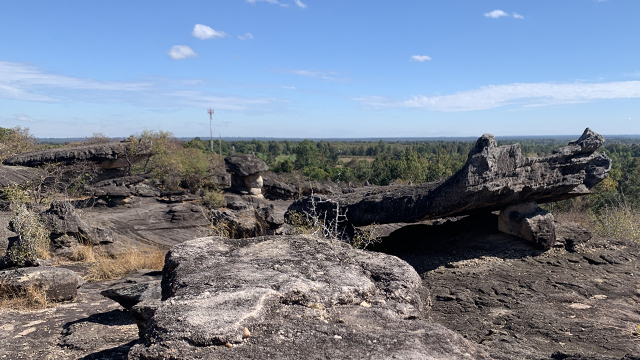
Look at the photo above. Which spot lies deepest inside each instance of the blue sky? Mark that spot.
(312, 68)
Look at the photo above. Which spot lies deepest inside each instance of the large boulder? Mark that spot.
(58, 284)
(245, 165)
(107, 156)
(493, 178)
(292, 297)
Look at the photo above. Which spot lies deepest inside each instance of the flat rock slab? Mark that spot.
(108, 156)
(92, 327)
(519, 302)
(292, 297)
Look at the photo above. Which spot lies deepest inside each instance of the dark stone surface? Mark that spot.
(520, 302)
(61, 219)
(107, 156)
(274, 189)
(18, 175)
(292, 297)
(245, 165)
(492, 178)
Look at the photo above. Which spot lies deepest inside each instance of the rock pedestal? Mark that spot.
(245, 173)
(530, 222)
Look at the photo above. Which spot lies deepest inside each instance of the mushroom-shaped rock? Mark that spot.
(245, 171)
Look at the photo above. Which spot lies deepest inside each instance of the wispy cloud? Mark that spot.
(420, 58)
(23, 117)
(181, 52)
(246, 36)
(499, 13)
(522, 94)
(633, 74)
(205, 32)
(275, 2)
(23, 82)
(329, 76)
(298, 3)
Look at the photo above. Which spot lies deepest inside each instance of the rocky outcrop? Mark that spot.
(493, 178)
(58, 284)
(292, 297)
(274, 189)
(245, 173)
(67, 229)
(18, 175)
(107, 156)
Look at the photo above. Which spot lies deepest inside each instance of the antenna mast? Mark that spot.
(210, 111)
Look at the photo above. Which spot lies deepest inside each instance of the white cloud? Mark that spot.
(181, 52)
(326, 76)
(633, 74)
(23, 117)
(526, 95)
(300, 4)
(499, 13)
(421, 58)
(205, 32)
(246, 36)
(275, 2)
(496, 14)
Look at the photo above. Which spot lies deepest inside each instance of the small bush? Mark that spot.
(366, 236)
(214, 199)
(108, 268)
(33, 238)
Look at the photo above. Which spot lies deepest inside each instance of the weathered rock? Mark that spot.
(18, 175)
(275, 189)
(520, 302)
(61, 219)
(569, 235)
(58, 284)
(530, 222)
(107, 156)
(290, 298)
(245, 165)
(140, 293)
(492, 178)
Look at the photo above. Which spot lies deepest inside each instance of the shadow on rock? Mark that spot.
(473, 238)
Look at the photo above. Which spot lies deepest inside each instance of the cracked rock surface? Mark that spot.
(292, 297)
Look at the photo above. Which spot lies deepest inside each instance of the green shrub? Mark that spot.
(619, 221)
(214, 199)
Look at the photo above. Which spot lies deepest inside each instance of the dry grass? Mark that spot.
(620, 221)
(30, 298)
(585, 219)
(83, 253)
(107, 267)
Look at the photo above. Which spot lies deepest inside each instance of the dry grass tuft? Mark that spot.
(30, 298)
(620, 221)
(84, 253)
(107, 267)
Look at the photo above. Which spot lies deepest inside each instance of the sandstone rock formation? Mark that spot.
(245, 173)
(67, 228)
(107, 156)
(58, 284)
(530, 222)
(292, 297)
(492, 178)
